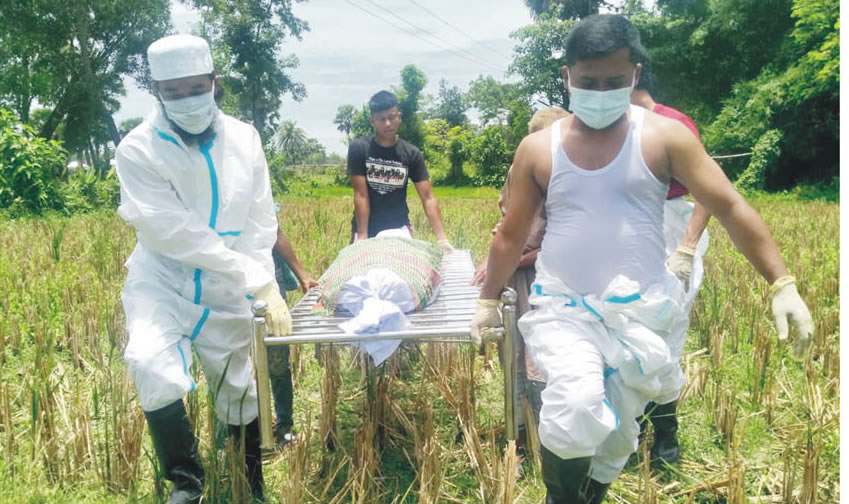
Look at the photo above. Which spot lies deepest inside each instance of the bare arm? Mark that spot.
(361, 205)
(525, 199)
(696, 226)
(690, 163)
(480, 271)
(431, 208)
(284, 247)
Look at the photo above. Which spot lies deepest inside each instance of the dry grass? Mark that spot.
(756, 426)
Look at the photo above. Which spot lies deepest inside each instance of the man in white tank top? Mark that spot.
(685, 232)
(606, 302)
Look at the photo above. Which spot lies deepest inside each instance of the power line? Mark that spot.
(461, 32)
(416, 27)
(408, 32)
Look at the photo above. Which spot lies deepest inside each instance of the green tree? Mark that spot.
(519, 115)
(290, 141)
(253, 32)
(788, 115)
(492, 99)
(435, 146)
(492, 157)
(360, 125)
(23, 76)
(38, 117)
(566, 9)
(344, 119)
(537, 60)
(690, 43)
(450, 104)
(127, 125)
(30, 167)
(413, 81)
(72, 57)
(313, 152)
(459, 151)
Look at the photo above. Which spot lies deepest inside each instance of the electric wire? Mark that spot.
(413, 34)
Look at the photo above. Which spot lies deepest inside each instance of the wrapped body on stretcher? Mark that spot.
(438, 302)
(379, 281)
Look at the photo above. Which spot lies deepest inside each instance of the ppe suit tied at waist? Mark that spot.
(602, 356)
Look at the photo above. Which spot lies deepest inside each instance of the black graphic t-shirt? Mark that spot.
(386, 170)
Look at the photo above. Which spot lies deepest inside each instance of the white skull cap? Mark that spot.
(177, 56)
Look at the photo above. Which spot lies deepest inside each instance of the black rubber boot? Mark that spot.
(597, 491)
(533, 391)
(643, 420)
(176, 449)
(253, 456)
(566, 480)
(665, 421)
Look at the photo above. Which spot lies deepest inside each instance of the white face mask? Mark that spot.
(194, 113)
(599, 109)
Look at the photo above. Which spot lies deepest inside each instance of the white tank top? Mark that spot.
(604, 222)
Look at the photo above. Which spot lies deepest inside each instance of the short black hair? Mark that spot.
(601, 35)
(382, 100)
(646, 74)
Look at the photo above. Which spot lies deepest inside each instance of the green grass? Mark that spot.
(323, 187)
(62, 331)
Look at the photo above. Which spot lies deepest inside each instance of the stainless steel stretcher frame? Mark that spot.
(447, 320)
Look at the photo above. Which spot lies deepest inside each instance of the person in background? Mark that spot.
(531, 380)
(290, 275)
(379, 166)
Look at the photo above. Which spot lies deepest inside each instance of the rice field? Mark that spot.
(426, 427)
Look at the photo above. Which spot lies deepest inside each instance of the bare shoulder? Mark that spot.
(533, 157)
(666, 131)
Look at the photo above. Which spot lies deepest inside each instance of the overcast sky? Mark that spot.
(349, 54)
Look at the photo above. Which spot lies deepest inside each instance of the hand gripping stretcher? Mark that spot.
(446, 320)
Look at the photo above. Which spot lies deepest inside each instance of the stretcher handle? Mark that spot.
(263, 389)
(509, 365)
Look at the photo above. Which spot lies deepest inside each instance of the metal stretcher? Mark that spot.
(446, 320)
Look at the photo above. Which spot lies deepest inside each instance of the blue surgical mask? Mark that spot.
(599, 109)
(193, 113)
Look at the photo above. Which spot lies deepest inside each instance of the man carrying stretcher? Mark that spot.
(606, 303)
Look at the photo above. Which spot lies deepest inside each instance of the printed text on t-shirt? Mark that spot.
(385, 175)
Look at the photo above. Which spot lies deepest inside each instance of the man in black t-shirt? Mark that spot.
(379, 166)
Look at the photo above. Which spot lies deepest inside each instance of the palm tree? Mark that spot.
(289, 140)
(344, 120)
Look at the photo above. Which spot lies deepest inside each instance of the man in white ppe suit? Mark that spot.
(195, 186)
(685, 232)
(605, 300)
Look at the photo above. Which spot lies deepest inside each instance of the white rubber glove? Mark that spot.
(445, 245)
(787, 304)
(681, 264)
(486, 319)
(277, 318)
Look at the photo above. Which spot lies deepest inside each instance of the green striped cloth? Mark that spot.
(416, 262)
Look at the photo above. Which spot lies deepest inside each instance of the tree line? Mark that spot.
(760, 77)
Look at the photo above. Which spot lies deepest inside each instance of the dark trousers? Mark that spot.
(280, 372)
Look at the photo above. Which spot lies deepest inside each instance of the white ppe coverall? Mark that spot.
(205, 226)
(603, 358)
(676, 217)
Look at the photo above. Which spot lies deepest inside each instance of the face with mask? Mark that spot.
(600, 89)
(189, 102)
